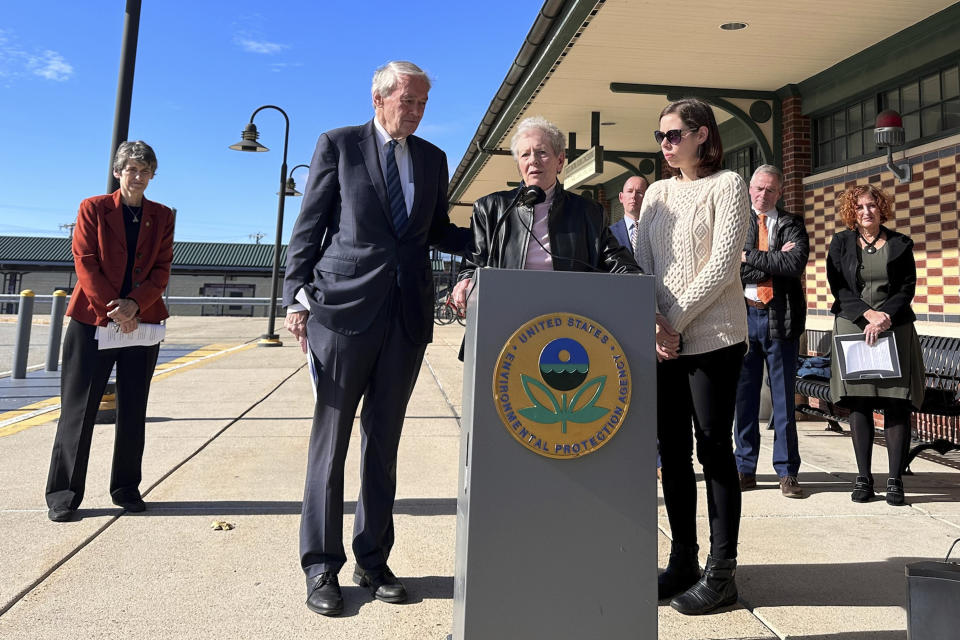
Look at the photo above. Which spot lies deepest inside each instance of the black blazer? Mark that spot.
(843, 267)
(344, 251)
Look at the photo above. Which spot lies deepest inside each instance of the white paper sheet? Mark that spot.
(145, 335)
(859, 360)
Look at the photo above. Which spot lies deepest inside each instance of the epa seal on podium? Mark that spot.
(562, 385)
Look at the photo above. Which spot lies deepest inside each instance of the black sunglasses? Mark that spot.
(674, 136)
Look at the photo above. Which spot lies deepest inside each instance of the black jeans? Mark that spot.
(700, 389)
(86, 371)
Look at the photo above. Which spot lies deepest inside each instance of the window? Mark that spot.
(929, 106)
(742, 160)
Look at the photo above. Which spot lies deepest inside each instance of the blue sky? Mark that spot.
(202, 68)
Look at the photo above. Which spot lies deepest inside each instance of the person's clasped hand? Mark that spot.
(878, 322)
(122, 310)
(668, 340)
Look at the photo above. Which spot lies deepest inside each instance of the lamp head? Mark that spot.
(290, 189)
(249, 140)
(889, 129)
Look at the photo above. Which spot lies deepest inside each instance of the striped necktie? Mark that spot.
(398, 205)
(633, 236)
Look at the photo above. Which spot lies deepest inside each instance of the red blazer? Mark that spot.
(100, 258)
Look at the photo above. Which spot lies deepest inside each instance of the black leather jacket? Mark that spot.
(576, 226)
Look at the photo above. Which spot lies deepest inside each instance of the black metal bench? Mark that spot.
(941, 360)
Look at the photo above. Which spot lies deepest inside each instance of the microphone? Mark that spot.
(532, 195)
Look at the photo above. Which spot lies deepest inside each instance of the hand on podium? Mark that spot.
(460, 292)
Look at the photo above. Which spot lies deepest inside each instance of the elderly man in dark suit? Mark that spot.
(359, 293)
(631, 197)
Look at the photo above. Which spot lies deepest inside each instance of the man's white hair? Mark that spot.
(386, 78)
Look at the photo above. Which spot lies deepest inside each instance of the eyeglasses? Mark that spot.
(143, 173)
(674, 136)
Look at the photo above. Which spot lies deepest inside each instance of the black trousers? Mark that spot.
(381, 366)
(86, 371)
(701, 389)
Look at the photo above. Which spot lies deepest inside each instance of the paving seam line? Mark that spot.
(157, 375)
(33, 585)
(443, 392)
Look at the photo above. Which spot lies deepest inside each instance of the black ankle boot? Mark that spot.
(683, 570)
(895, 492)
(862, 489)
(715, 589)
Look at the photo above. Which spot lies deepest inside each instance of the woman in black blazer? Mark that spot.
(872, 276)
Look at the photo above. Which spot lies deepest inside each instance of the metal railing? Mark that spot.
(25, 301)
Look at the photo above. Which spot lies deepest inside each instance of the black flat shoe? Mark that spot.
(895, 492)
(382, 584)
(61, 514)
(323, 594)
(862, 489)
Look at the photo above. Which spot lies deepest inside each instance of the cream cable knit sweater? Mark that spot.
(691, 238)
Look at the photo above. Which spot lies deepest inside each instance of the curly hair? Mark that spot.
(847, 203)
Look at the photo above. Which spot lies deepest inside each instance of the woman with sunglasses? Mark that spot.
(692, 232)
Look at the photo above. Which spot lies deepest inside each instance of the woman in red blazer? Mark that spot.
(122, 250)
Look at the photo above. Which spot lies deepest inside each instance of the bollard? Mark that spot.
(57, 308)
(107, 413)
(22, 344)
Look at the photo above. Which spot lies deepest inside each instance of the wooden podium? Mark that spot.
(557, 504)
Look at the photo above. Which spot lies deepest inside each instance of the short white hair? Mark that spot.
(386, 78)
(769, 169)
(538, 123)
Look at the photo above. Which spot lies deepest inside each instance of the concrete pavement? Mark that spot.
(226, 441)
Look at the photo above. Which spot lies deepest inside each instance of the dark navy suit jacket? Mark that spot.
(344, 251)
(619, 230)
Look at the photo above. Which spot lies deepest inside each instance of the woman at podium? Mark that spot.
(692, 231)
(539, 225)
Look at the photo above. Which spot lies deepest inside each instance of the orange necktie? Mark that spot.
(765, 288)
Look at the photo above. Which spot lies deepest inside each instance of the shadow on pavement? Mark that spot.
(405, 506)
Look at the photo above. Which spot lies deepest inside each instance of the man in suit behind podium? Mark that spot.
(359, 292)
(631, 197)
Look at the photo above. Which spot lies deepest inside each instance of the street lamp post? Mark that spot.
(249, 143)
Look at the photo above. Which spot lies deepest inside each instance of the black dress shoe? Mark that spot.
(862, 489)
(895, 492)
(381, 583)
(323, 594)
(133, 504)
(61, 513)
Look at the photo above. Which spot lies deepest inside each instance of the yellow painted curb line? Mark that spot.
(45, 411)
